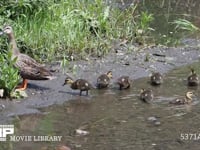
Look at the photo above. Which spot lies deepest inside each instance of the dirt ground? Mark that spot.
(122, 61)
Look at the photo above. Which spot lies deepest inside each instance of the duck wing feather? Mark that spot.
(30, 69)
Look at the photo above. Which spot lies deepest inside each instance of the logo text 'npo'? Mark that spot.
(6, 130)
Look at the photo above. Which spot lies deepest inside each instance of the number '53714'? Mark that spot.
(190, 136)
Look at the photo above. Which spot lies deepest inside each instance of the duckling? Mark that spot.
(146, 95)
(80, 84)
(29, 69)
(156, 78)
(181, 101)
(193, 79)
(123, 82)
(104, 80)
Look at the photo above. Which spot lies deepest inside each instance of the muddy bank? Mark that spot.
(122, 60)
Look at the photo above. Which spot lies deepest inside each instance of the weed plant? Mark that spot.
(9, 77)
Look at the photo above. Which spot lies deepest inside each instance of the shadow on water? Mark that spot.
(119, 120)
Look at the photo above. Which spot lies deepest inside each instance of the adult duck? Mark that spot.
(29, 68)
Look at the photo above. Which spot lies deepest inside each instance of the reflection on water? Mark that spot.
(165, 12)
(119, 120)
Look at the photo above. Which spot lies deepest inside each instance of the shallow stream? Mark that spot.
(119, 120)
(113, 119)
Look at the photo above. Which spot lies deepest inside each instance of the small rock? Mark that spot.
(78, 145)
(140, 31)
(44, 148)
(120, 53)
(62, 147)
(127, 63)
(152, 119)
(19, 94)
(124, 121)
(1, 92)
(179, 114)
(81, 132)
(157, 123)
(54, 70)
(2, 106)
(179, 141)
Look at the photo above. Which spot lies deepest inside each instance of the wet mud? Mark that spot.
(134, 63)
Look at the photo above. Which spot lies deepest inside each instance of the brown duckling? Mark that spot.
(123, 82)
(193, 79)
(186, 100)
(79, 84)
(146, 95)
(104, 80)
(156, 78)
(28, 67)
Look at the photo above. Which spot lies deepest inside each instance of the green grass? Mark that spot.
(73, 27)
(63, 29)
(9, 77)
(57, 30)
(186, 25)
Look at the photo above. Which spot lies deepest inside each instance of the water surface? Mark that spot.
(119, 120)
